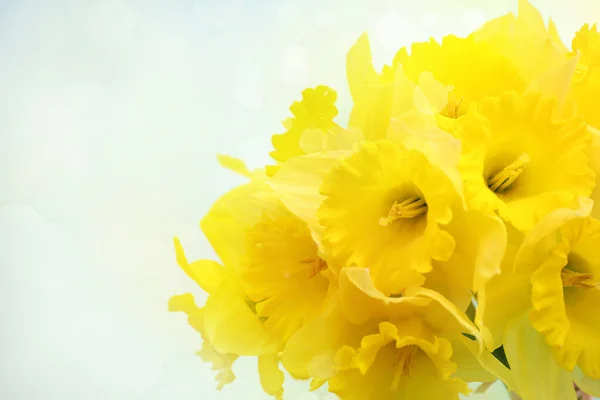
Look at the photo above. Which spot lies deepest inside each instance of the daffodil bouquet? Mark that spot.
(447, 235)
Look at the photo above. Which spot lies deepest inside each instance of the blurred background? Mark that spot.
(111, 116)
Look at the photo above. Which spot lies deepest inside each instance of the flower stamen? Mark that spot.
(502, 180)
(409, 208)
(403, 364)
(318, 265)
(572, 279)
(452, 109)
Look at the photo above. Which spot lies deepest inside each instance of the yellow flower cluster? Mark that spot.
(447, 235)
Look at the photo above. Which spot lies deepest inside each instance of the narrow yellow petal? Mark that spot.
(206, 273)
(271, 377)
(234, 164)
(359, 67)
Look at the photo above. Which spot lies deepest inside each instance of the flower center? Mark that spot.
(572, 279)
(501, 181)
(317, 265)
(402, 363)
(409, 208)
(452, 109)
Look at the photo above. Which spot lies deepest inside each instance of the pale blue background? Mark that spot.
(111, 113)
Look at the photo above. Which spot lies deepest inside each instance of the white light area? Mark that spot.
(295, 66)
(326, 19)
(223, 14)
(307, 396)
(111, 23)
(250, 85)
(429, 20)
(288, 14)
(391, 31)
(472, 19)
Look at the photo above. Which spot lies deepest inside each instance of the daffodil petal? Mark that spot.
(527, 257)
(469, 366)
(225, 223)
(503, 298)
(298, 181)
(536, 373)
(555, 36)
(221, 362)
(206, 273)
(234, 164)
(361, 300)
(271, 378)
(531, 19)
(593, 155)
(360, 70)
(232, 327)
(555, 83)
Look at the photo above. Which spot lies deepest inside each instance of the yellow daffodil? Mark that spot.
(443, 72)
(541, 308)
(384, 207)
(300, 185)
(519, 160)
(376, 347)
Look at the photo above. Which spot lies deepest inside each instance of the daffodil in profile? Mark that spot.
(469, 69)
(542, 307)
(311, 129)
(450, 74)
(270, 285)
(376, 347)
(522, 161)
